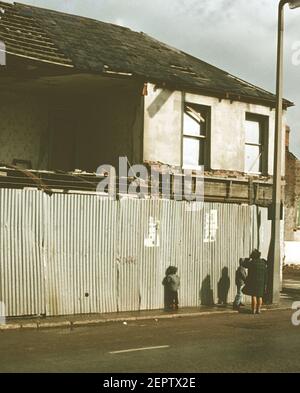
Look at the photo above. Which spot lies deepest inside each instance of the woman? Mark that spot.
(256, 282)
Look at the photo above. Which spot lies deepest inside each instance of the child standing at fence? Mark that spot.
(240, 281)
(171, 284)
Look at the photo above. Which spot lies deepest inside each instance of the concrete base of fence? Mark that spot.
(72, 322)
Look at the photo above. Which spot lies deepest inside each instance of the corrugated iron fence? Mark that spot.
(75, 254)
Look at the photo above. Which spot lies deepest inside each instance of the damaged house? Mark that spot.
(77, 93)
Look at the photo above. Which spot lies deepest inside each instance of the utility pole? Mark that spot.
(278, 148)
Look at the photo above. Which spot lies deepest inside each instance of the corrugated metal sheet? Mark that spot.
(81, 238)
(21, 258)
(77, 254)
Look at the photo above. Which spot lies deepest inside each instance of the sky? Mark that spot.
(239, 36)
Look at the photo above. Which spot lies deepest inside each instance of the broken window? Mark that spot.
(256, 138)
(196, 132)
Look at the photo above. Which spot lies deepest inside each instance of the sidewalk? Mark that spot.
(290, 294)
(124, 317)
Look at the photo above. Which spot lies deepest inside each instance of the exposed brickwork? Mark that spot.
(292, 192)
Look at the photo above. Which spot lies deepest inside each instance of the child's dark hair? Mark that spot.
(255, 254)
(171, 270)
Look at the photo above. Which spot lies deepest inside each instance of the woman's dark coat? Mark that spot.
(256, 281)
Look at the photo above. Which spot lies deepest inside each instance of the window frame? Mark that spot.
(206, 140)
(263, 144)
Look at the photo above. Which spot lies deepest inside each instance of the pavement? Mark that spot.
(290, 293)
(96, 319)
(287, 298)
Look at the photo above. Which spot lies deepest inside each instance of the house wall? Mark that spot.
(162, 126)
(23, 129)
(99, 128)
(163, 129)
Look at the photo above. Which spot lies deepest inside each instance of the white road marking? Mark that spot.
(140, 349)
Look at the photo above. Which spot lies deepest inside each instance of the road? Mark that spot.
(217, 343)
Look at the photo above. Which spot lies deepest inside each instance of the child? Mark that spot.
(240, 281)
(171, 284)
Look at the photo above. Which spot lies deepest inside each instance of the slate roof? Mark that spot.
(25, 37)
(92, 46)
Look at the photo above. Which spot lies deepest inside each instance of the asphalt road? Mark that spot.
(217, 343)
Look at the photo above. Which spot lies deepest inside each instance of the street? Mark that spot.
(217, 343)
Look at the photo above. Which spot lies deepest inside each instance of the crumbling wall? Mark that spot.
(23, 131)
(292, 194)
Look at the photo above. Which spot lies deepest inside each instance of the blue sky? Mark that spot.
(236, 35)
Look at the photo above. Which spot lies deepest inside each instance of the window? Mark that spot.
(256, 151)
(196, 133)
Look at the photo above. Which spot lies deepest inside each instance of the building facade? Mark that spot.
(78, 93)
